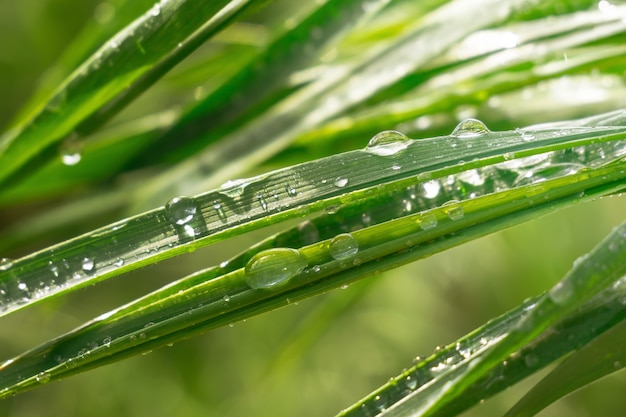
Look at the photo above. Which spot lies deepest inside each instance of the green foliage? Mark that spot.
(136, 138)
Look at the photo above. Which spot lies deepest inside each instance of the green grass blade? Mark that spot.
(590, 275)
(599, 358)
(233, 291)
(190, 222)
(130, 56)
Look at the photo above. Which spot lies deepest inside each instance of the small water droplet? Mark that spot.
(380, 402)
(387, 143)
(43, 377)
(427, 221)
(562, 293)
(291, 191)
(5, 263)
(88, 264)
(272, 267)
(226, 298)
(527, 136)
(155, 10)
(453, 210)
(262, 201)
(332, 209)
(341, 182)
(119, 262)
(71, 151)
(343, 246)
(470, 128)
(181, 210)
(411, 383)
(531, 360)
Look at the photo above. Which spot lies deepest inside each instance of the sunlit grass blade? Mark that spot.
(261, 281)
(186, 223)
(600, 357)
(590, 275)
(140, 53)
(328, 97)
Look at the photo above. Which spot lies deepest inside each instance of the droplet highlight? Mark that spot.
(274, 267)
(181, 210)
(470, 128)
(343, 246)
(387, 143)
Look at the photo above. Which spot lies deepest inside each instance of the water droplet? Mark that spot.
(181, 210)
(343, 246)
(88, 264)
(427, 221)
(527, 136)
(226, 298)
(453, 210)
(388, 143)
(272, 267)
(332, 209)
(43, 377)
(262, 201)
(119, 262)
(411, 383)
(531, 360)
(5, 263)
(380, 402)
(291, 191)
(470, 128)
(156, 10)
(562, 293)
(341, 182)
(71, 151)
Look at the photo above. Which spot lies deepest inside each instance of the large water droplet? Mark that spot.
(181, 210)
(343, 246)
(388, 143)
(469, 128)
(273, 267)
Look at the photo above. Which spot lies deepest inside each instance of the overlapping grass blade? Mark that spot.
(403, 224)
(138, 55)
(600, 357)
(591, 275)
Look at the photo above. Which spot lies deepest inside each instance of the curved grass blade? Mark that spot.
(591, 275)
(277, 276)
(137, 55)
(578, 329)
(186, 223)
(269, 72)
(327, 98)
(600, 357)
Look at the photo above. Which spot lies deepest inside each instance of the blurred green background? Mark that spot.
(309, 359)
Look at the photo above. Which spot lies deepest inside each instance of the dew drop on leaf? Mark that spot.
(453, 210)
(88, 264)
(341, 182)
(71, 151)
(43, 377)
(470, 128)
(343, 246)
(180, 210)
(5, 263)
(427, 221)
(387, 143)
(273, 267)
